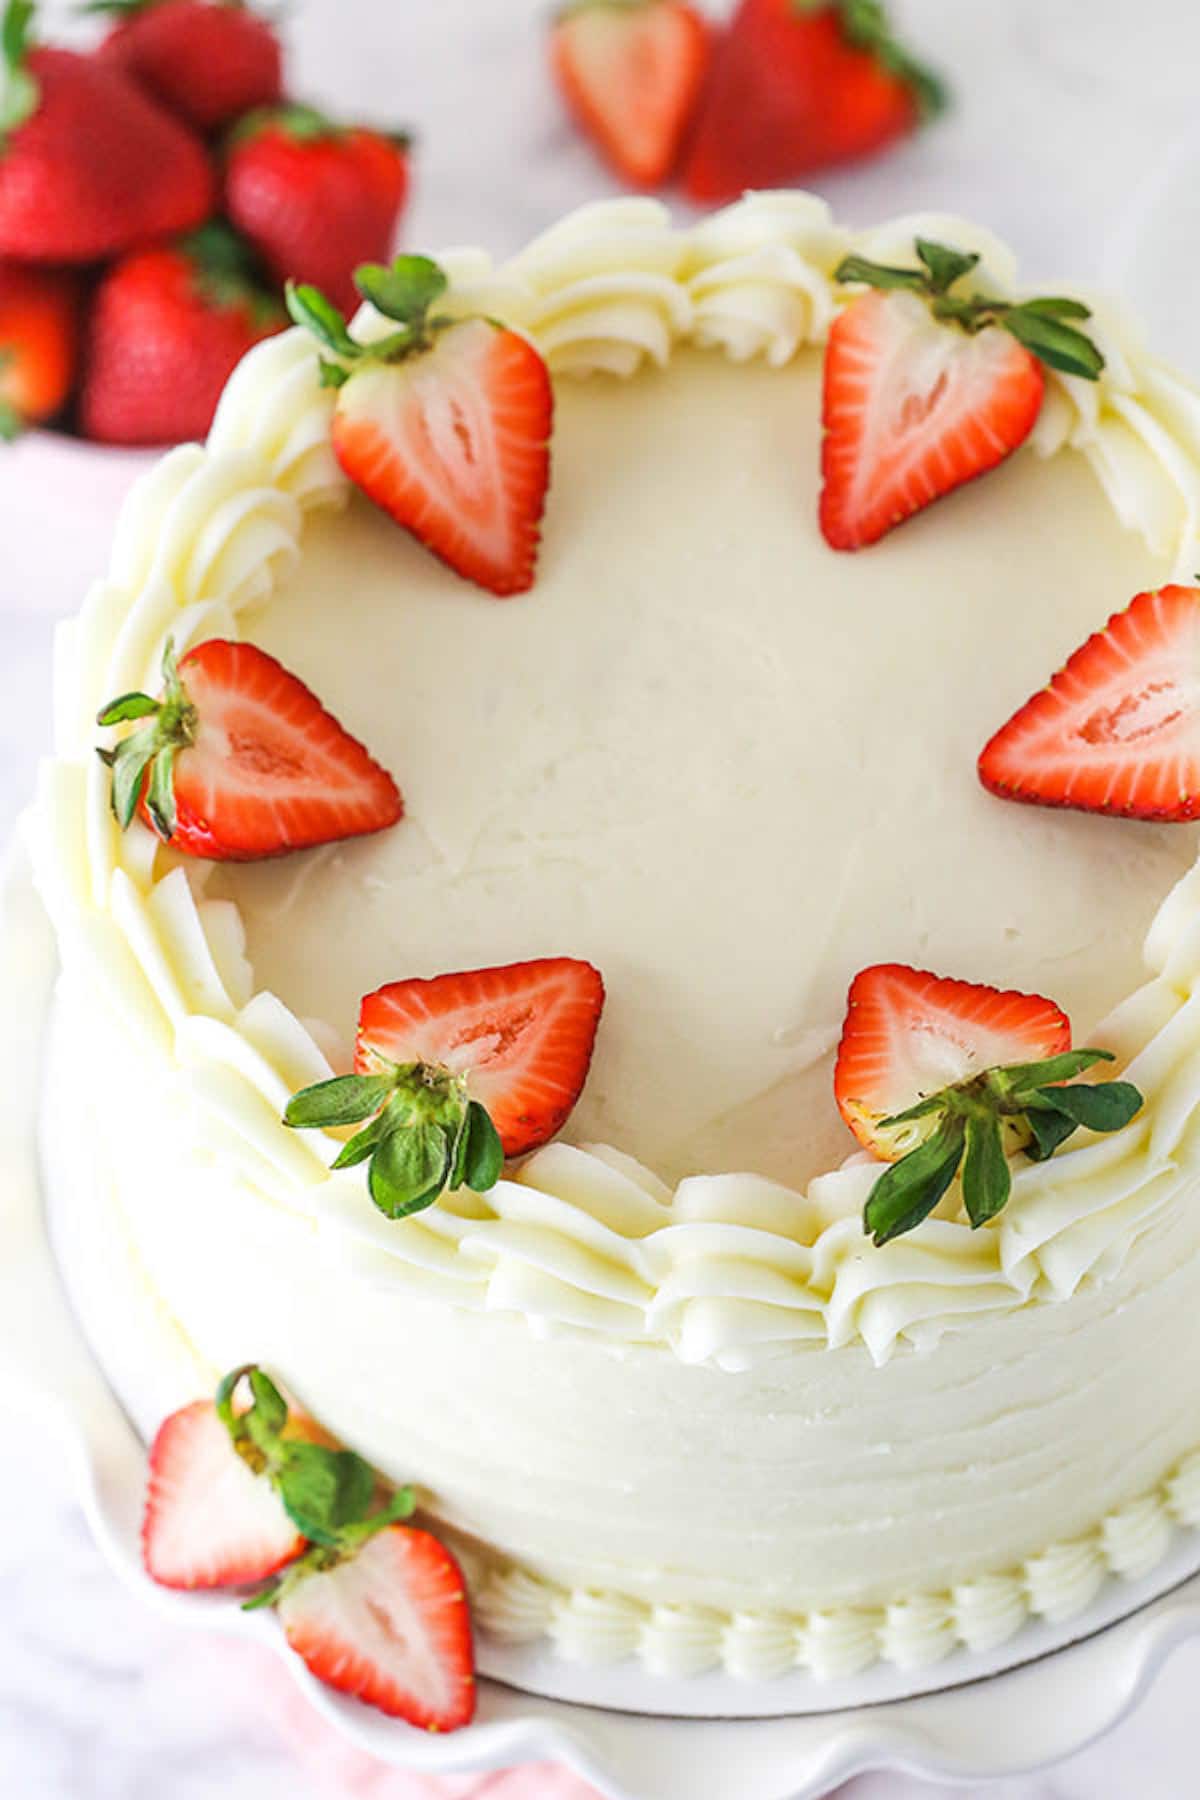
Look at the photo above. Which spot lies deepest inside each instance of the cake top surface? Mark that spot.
(723, 763)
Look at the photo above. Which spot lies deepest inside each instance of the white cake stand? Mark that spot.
(1010, 1723)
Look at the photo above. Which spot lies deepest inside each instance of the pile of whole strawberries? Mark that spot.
(155, 194)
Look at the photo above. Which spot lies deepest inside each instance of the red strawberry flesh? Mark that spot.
(390, 1627)
(209, 1521)
(1118, 728)
(454, 443)
(914, 408)
(524, 1032)
(909, 1034)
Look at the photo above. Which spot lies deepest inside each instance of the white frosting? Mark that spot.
(730, 1271)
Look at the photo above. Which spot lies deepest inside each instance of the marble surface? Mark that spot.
(1073, 137)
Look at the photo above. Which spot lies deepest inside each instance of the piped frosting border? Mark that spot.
(725, 1270)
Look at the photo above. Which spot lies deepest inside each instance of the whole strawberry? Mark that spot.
(797, 85)
(315, 199)
(167, 328)
(39, 332)
(209, 61)
(89, 166)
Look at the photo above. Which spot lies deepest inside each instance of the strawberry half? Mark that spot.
(941, 1077)
(209, 1522)
(523, 1036)
(239, 760)
(912, 411)
(797, 85)
(443, 423)
(909, 1034)
(630, 75)
(391, 1627)
(927, 387)
(457, 1073)
(1118, 729)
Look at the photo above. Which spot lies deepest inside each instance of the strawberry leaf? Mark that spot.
(945, 265)
(308, 306)
(130, 761)
(1107, 1106)
(362, 1144)
(1059, 346)
(126, 707)
(907, 1192)
(408, 1169)
(160, 793)
(405, 291)
(1039, 325)
(483, 1157)
(1050, 1129)
(881, 275)
(345, 1100)
(323, 1490)
(986, 1182)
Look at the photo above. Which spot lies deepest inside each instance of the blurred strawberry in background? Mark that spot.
(790, 86)
(315, 198)
(39, 339)
(209, 61)
(167, 328)
(798, 85)
(155, 195)
(88, 165)
(631, 72)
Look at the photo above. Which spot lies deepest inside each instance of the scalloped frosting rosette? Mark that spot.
(730, 1270)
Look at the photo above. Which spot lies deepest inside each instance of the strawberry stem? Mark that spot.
(330, 1495)
(1044, 326)
(404, 291)
(425, 1135)
(145, 758)
(972, 1117)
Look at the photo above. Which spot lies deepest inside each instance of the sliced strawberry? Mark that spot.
(912, 409)
(454, 444)
(910, 1034)
(391, 1627)
(523, 1034)
(630, 75)
(1118, 729)
(209, 1521)
(239, 760)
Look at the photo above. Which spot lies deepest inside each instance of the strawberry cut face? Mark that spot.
(913, 410)
(265, 769)
(392, 1628)
(910, 1034)
(522, 1034)
(454, 444)
(1118, 729)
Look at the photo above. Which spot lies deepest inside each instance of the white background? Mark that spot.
(1072, 138)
